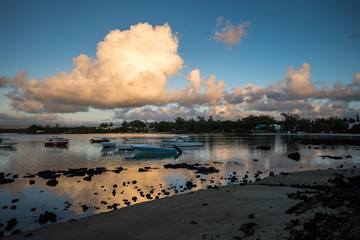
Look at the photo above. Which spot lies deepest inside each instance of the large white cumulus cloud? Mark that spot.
(131, 68)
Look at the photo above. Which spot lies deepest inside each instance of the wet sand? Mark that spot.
(277, 207)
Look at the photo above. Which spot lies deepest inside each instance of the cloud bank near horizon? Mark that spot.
(131, 73)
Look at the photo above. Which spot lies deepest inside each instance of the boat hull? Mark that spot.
(109, 144)
(154, 149)
(181, 144)
(56, 144)
(99, 141)
(8, 145)
(181, 141)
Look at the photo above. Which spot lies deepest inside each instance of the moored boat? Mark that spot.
(181, 141)
(110, 144)
(4, 143)
(130, 142)
(56, 142)
(99, 139)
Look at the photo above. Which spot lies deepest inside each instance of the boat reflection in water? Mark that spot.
(109, 151)
(143, 156)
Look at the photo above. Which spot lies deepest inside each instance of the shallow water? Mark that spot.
(235, 156)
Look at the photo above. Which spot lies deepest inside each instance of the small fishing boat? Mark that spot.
(99, 139)
(181, 141)
(110, 144)
(4, 143)
(130, 142)
(56, 142)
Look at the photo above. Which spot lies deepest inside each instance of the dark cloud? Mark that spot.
(355, 35)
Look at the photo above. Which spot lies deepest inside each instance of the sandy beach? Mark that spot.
(289, 206)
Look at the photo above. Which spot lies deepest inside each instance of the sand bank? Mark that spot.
(274, 208)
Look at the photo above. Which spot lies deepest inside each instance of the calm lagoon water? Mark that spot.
(235, 156)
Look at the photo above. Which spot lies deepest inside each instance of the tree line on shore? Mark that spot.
(289, 123)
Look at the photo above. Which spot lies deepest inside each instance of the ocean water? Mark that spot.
(143, 177)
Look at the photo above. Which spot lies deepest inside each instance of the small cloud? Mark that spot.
(355, 35)
(4, 81)
(229, 34)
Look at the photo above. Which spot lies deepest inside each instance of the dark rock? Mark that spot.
(87, 178)
(165, 192)
(46, 217)
(248, 228)
(143, 170)
(96, 171)
(52, 182)
(71, 172)
(118, 170)
(11, 224)
(331, 157)
(233, 179)
(294, 156)
(29, 176)
(84, 207)
(48, 174)
(190, 185)
(31, 182)
(4, 179)
(115, 205)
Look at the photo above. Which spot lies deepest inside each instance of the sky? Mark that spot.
(88, 62)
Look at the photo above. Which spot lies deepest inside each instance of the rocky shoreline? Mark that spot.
(302, 205)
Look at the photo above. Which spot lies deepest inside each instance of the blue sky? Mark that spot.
(284, 56)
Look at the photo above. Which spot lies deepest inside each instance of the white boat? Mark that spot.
(155, 149)
(181, 141)
(130, 142)
(4, 143)
(110, 144)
